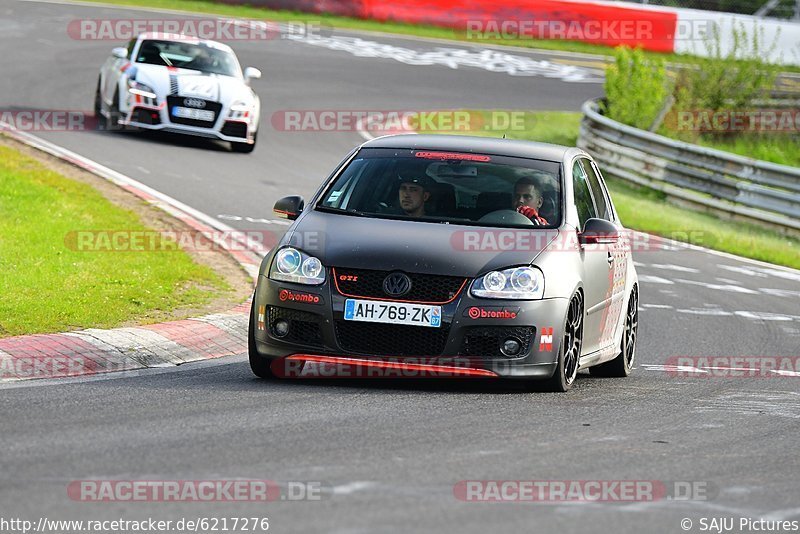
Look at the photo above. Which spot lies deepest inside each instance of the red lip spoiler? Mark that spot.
(411, 368)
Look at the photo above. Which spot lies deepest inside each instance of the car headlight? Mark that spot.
(522, 283)
(142, 90)
(291, 265)
(241, 110)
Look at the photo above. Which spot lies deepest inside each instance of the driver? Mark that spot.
(202, 61)
(528, 199)
(413, 192)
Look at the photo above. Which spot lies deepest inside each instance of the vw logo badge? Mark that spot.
(396, 284)
(194, 103)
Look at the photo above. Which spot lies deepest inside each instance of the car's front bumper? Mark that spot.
(156, 118)
(472, 339)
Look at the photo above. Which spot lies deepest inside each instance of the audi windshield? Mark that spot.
(186, 55)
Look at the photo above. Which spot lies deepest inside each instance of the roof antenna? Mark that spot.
(504, 136)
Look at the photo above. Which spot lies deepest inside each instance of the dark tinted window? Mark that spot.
(583, 198)
(611, 211)
(597, 191)
(472, 189)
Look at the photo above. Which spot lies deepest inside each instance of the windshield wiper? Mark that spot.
(355, 212)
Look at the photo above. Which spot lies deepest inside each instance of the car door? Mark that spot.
(616, 255)
(597, 269)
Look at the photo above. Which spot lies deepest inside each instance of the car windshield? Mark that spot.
(448, 187)
(185, 55)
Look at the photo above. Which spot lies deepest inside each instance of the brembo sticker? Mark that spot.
(487, 312)
(287, 295)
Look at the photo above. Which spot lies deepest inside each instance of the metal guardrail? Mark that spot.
(735, 185)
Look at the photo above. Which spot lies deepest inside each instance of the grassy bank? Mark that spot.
(49, 284)
(645, 209)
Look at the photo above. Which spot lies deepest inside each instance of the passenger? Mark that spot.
(528, 199)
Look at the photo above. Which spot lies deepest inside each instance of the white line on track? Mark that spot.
(719, 287)
(649, 279)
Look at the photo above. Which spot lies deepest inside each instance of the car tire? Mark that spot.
(258, 364)
(99, 120)
(569, 352)
(245, 148)
(622, 365)
(111, 122)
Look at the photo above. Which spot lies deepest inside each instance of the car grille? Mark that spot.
(304, 328)
(391, 340)
(427, 288)
(173, 101)
(486, 341)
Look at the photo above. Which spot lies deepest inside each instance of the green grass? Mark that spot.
(649, 211)
(416, 30)
(777, 148)
(646, 209)
(48, 286)
(559, 127)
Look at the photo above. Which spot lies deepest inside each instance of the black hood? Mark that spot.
(412, 246)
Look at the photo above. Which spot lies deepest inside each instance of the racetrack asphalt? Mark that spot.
(388, 453)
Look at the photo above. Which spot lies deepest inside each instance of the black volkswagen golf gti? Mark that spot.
(450, 256)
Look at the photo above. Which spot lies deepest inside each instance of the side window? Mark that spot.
(597, 191)
(583, 197)
(611, 211)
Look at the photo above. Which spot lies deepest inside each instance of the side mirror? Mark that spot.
(598, 231)
(120, 52)
(289, 207)
(251, 73)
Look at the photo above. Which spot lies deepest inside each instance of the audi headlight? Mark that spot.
(241, 110)
(521, 283)
(141, 89)
(291, 265)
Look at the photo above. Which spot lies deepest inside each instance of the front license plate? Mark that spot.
(191, 113)
(392, 312)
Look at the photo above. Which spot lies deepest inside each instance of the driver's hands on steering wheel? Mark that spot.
(533, 215)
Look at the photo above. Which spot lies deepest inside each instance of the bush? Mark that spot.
(732, 78)
(636, 88)
(726, 80)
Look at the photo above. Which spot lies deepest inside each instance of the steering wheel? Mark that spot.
(505, 217)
